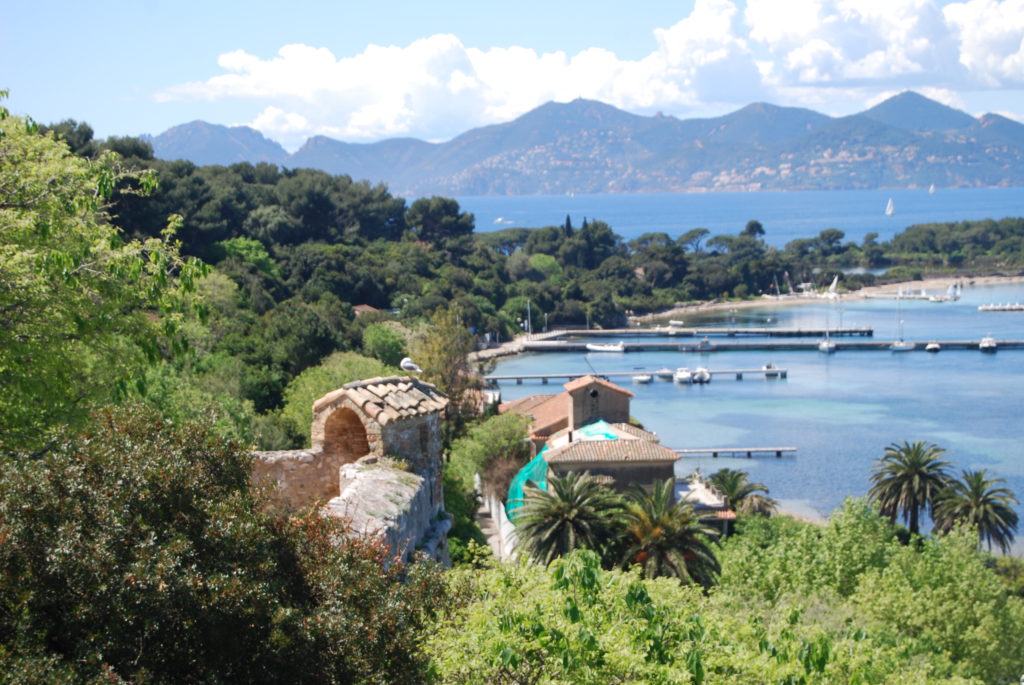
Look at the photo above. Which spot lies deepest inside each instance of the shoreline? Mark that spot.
(936, 285)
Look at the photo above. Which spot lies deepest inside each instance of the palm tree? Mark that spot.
(740, 494)
(976, 500)
(907, 480)
(666, 538)
(574, 512)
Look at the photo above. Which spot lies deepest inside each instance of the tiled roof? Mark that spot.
(389, 398)
(549, 412)
(584, 381)
(523, 405)
(636, 432)
(609, 451)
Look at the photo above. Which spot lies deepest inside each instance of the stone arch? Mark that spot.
(345, 436)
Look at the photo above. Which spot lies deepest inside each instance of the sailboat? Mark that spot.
(900, 345)
(931, 189)
(827, 345)
(890, 208)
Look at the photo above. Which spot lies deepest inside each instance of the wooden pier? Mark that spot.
(736, 451)
(711, 332)
(544, 378)
(756, 346)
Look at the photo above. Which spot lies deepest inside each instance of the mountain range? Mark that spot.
(586, 146)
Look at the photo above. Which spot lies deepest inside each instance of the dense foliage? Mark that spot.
(797, 603)
(138, 552)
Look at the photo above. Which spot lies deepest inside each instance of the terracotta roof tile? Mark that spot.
(636, 432)
(585, 381)
(389, 398)
(609, 451)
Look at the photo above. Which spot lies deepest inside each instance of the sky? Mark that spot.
(361, 72)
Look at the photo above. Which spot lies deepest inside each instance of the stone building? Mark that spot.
(586, 428)
(375, 460)
(585, 400)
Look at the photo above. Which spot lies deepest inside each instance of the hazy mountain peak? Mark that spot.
(915, 112)
(586, 146)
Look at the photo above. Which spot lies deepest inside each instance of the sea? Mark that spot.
(839, 411)
(785, 216)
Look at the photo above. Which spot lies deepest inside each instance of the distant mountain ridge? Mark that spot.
(586, 146)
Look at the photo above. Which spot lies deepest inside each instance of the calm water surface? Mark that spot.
(785, 215)
(839, 411)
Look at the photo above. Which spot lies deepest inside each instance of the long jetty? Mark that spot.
(749, 452)
(544, 378)
(712, 332)
(758, 346)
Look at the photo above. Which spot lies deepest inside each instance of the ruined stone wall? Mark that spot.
(300, 477)
(378, 499)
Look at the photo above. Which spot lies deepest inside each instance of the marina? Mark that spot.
(839, 411)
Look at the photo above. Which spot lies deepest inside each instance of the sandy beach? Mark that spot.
(934, 286)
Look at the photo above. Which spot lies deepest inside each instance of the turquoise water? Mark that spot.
(785, 215)
(840, 411)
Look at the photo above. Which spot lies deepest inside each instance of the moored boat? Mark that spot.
(932, 347)
(664, 373)
(987, 344)
(683, 375)
(770, 370)
(606, 347)
(702, 375)
(643, 378)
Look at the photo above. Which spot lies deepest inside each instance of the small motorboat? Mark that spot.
(770, 370)
(987, 344)
(932, 347)
(643, 378)
(664, 373)
(902, 346)
(606, 347)
(827, 346)
(683, 375)
(704, 344)
(702, 375)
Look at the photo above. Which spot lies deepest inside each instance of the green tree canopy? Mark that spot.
(138, 552)
(82, 310)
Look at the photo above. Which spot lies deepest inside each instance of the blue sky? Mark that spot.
(360, 71)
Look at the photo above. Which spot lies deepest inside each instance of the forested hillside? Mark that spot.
(158, 320)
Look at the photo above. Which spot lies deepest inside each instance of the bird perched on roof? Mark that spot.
(409, 365)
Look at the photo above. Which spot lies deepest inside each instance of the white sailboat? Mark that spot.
(827, 345)
(931, 189)
(900, 345)
(890, 208)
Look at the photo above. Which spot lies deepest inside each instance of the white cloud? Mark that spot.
(991, 35)
(826, 54)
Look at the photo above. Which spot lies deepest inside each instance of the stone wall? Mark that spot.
(378, 499)
(300, 477)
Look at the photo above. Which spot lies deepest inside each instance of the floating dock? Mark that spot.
(749, 452)
(756, 345)
(544, 378)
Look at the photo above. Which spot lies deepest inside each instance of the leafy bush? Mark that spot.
(138, 551)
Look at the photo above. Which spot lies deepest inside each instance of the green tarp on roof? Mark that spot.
(536, 471)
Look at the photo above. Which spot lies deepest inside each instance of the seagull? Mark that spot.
(409, 365)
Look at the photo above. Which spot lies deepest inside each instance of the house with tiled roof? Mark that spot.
(586, 428)
(585, 400)
(374, 460)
